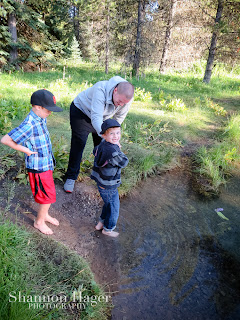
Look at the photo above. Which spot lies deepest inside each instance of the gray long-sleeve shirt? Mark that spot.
(96, 102)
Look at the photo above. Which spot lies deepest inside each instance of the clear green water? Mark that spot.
(175, 257)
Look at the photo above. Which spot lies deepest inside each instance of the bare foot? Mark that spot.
(113, 234)
(52, 220)
(99, 226)
(43, 228)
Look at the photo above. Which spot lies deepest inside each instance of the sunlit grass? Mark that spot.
(177, 101)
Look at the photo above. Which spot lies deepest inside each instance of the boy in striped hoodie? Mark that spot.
(108, 162)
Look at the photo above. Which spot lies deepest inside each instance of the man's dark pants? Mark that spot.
(81, 127)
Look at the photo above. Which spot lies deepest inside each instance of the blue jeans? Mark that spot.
(110, 210)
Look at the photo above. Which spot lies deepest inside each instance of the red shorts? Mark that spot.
(43, 187)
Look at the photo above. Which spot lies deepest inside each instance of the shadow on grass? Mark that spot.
(231, 104)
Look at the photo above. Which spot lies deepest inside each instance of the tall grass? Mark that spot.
(216, 163)
(232, 130)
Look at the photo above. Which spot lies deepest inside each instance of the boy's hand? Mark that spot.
(8, 141)
(29, 152)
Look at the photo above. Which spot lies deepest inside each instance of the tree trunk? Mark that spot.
(107, 40)
(12, 24)
(76, 22)
(212, 49)
(163, 61)
(137, 56)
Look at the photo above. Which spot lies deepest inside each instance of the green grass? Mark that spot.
(232, 130)
(169, 111)
(216, 163)
(37, 266)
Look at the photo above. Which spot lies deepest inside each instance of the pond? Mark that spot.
(175, 258)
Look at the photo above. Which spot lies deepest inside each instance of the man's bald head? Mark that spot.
(126, 89)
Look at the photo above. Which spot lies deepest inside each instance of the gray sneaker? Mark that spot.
(69, 185)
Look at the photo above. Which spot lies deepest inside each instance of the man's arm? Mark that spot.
(8, 141)
(98, 104)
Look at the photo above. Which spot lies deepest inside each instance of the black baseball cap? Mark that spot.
(45, 99)
(109, 123)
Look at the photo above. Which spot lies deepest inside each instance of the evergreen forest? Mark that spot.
(36, 35)
(177, 256)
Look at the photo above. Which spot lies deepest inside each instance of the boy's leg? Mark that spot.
(100, 224)
(112, 233)
(43, 188)
(52, 220)
(111, 211)
(41, 219)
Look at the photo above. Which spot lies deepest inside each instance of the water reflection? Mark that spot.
(179, 260)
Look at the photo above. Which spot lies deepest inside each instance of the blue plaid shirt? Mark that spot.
(33, 134)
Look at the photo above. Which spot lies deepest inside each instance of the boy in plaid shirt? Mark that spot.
(32, 138)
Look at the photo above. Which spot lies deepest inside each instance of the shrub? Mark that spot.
(5, 122)
(158, 96)
(142, 95)
(147, 135)
(176, 105)
(6, 163)
(219, 111)
(61, 156)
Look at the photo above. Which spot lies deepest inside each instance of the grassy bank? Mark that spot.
(216, 163)
(169, 112)
(41, 279)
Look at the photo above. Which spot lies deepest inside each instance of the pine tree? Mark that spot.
(75, 51)
(8, 35)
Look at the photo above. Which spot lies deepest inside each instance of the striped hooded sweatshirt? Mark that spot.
(108, 162)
